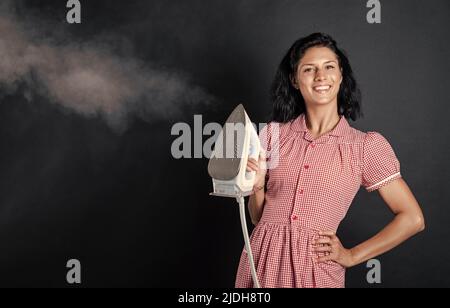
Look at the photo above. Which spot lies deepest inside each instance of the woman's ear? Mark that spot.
(293, 81)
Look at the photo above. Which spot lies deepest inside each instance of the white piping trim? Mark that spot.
(385, 180)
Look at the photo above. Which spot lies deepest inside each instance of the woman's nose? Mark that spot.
(319, 75)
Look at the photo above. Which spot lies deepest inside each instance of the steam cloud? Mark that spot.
(89, 79)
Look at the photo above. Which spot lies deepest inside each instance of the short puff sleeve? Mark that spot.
(380, 164)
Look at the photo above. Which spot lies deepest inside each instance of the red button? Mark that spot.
(301, 191)
(306, 166)
(312, 145)
(294, 217)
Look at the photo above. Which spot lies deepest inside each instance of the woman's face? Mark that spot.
(319, 76)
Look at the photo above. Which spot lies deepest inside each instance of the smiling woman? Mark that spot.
(318, 75)
(323, 162)
(314, 61)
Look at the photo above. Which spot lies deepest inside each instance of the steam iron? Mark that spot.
(237, 141)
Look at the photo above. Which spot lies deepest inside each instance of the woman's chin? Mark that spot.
(322, 101)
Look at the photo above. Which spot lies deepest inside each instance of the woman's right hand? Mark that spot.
(260, 167)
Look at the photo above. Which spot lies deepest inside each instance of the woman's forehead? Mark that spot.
(316, 55)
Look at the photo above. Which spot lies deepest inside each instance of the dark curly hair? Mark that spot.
(288, 102)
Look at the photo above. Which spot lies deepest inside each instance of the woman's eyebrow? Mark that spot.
(312, 64)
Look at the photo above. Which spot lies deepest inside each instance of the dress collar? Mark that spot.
(341, 129)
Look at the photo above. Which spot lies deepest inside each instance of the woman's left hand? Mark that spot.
(330, 244)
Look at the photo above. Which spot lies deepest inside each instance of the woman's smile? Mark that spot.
(323, 89)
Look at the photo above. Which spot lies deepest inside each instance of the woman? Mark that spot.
(322, 162)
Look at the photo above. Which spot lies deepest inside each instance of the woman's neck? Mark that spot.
(320, 123)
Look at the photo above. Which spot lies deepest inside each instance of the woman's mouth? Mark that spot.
(322, 89)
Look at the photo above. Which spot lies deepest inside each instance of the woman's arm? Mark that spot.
(408, 221)
(256, 201)
(256, 206)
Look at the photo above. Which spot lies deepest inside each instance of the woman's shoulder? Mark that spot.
(275, 129)
(363, 137)
(370, 144)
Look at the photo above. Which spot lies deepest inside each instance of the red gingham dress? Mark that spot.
(311, 189)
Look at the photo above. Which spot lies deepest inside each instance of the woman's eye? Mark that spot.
(307, 70)
(330, 67)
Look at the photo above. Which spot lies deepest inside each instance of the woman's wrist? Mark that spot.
(258, 187)
(353, 259)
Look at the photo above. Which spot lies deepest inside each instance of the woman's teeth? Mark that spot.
(322, 89)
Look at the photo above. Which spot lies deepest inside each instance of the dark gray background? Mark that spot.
(70, 187)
